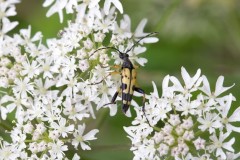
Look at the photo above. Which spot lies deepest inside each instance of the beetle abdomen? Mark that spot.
(128, 84)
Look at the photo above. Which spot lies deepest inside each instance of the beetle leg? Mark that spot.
(100, 81)
(117, 66)
(139, 90)
(103, 66)
(136, 66)
(112, 73)
(113, 101)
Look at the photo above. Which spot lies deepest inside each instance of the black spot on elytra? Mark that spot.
(127, 97)
(124, 86)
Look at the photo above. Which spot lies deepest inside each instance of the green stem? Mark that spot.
(167, 13)
(198, 133)
(168, 158)
(157, 129)
(29, 141)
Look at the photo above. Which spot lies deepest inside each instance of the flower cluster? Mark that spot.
(48, 89)
(189, 121)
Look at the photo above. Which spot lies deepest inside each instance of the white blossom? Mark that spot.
(218, 144)
(182, 117)
(82, 139)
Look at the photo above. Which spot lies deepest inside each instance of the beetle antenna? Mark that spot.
(147, 119)
(104, 48)
(140, 40)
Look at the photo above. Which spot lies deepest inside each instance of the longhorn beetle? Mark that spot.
(128, 79)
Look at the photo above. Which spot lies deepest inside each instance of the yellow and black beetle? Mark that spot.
(128, 79)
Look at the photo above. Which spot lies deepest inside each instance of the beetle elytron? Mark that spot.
(128, 79)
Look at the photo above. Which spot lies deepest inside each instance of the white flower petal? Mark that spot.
(206, 87)
(116, 3)
(139, 30)
(6, 98)
(228, 145)
(150, 40)
(90, 135)
(235, 117)
(84, 146)
(141, 61)
(155, 90)
(219, 86)
(176, 84)
(47, 3)
(230, 128)
(3, 113)
(220, 153)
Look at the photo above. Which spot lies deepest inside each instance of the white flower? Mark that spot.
(25, 37)
(42, 146)
(139, 30)
(199, 143)
(12, 74)
(33, 147)
(231, 156)
(188, 135)
(219, 89)
(23, 87)
(191, 82)
(176, 118)
(50, 88)
(99, 37)
(163, 149)
(30, 69)
(117, 4)
(139, 33)
(88, 44)
(71, 86)
(42, 90)
(81, 139)
(76, 157)
(134, 55)
(227, 120)
(69, 67)
(62, 128)
(35, 110)
(48, 67)
(187, 123)
(4, 112)
(57, 149)
(88, 97)
(123, 30)
(218, 144)
(7, 9)
(7, 151)
(210, 122)
(40, 128)
(54, 134)
(28, 128)
(74, 111)
(83, 65)
(58, 6)
(188, 107)
(7, 26)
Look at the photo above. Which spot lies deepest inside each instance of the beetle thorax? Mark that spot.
(127, 64)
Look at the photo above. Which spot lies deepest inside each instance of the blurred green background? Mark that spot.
(193, 33)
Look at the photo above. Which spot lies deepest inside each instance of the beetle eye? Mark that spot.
(121, 55)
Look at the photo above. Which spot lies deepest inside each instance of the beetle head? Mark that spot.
(123, 55)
